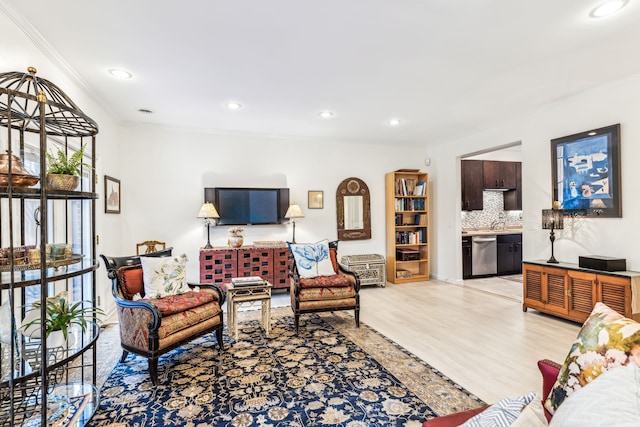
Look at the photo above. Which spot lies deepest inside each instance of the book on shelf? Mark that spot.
(247, 281)
(406, 187)
(420, 219)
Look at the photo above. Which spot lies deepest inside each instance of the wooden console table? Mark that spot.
(221, 263)
(569, 291)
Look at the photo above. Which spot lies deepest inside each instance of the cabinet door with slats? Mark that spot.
(532, 277)
(581, 288)
(556, 291)
(615, 292)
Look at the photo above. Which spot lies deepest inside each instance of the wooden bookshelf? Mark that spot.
(407, 226)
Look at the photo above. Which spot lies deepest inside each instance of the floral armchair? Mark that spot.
(318, 283)
(152, 325)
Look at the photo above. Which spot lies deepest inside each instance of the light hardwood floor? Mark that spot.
(482, 341)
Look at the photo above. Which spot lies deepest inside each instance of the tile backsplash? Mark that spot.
(493, 213)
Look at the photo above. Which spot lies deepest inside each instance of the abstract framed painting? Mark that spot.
(111, 195)
(586, 173)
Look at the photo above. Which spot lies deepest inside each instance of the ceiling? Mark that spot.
(444, 68)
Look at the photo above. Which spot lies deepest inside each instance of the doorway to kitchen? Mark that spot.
(491, 220)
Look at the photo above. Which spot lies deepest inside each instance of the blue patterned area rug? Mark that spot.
(330, 374)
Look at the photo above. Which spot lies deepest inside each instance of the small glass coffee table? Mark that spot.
(248, 294)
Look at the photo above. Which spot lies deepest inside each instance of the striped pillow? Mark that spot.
(501, 414)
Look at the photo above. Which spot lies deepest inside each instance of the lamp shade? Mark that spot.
(294, 212)
(208, 211)
(552, 219)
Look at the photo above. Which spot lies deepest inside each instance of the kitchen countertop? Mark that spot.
(489, 232)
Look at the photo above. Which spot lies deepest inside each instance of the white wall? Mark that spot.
(17, 53)
(618, 102)
(164, 172)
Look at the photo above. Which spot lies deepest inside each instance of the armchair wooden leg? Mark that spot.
(296, 316)
(153, 370)
(125, 353)
(219, 338)
(357, 316)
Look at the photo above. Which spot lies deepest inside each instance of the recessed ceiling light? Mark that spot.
(326, 114)
(234, 105)
(120, 73)
(394, 122)
(608, 8)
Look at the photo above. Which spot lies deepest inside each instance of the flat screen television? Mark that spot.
(249, 206)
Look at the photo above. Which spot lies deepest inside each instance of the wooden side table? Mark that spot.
(248, 295)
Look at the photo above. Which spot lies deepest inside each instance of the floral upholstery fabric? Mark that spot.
(333, 293)
(336, 280)
(178, 303)
(134, 327)
(177, 322)
(134, 322)
(130, 281)
(607, 340)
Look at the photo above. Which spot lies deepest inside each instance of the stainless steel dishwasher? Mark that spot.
(484, 255)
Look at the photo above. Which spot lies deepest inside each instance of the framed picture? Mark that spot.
(586, 172)
(316, 200)
(111, 195)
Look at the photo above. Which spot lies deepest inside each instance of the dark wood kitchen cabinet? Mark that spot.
(509, 249)
(513, 198)
(466, 257)
(499, 175)
(472, 173)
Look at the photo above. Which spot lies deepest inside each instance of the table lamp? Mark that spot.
(552, 219)
(294, 212)
(209, 213)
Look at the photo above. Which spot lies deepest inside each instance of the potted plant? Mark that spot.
(60, 317)
(236, 237)
(63, 172)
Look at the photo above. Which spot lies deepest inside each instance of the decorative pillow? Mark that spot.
(612, 399)
(501, 414)
(164, 276)
(334, 259)
(532, 415)
(131, 280)
(607, 340)
(312, 259)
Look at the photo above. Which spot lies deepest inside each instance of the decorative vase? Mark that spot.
(56, 339)
(236, 241)
(62, 182)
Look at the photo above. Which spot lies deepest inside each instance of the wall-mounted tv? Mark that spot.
(249, 206)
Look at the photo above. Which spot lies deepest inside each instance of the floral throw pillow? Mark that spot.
(312, 259)
(164, 276)
(607, 340)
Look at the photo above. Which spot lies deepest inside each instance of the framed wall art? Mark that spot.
(586, 172)
(111, 195)
(316, 200)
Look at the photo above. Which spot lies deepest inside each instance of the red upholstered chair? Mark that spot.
(549, 370)
(151, 327)
(324, 293)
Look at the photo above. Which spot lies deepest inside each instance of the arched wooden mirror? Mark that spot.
(353, 209)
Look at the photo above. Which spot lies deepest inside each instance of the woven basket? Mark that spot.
(62, 182)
